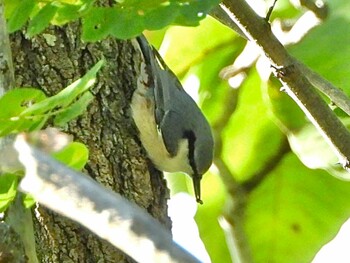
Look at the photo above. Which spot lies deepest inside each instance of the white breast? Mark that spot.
(143, 114)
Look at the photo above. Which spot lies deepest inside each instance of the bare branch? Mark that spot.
(104, 212)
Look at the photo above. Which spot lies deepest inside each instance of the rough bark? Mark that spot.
(51, 61)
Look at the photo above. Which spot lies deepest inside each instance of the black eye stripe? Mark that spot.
(191, 138)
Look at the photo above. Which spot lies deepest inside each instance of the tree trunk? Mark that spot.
(51, 61)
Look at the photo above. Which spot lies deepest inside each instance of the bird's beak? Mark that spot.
(196, 178)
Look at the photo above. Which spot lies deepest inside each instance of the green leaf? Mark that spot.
(12, 104)
(124, 20)
(68, 13)
(315, 152)
(74, 110)
(97, 24)
(121, 23)
(286, 113)
(80, 86)
(191, 14)
(330, 52)
(74, 155)
(11, 7)
(250, 138)
(131, 18)
(20, 15)
(126, 23)
(41, 20)
(158, 18)
(67, 95)
(294, 212)
(8, 190)
(28, 109)
(36, 124)
(28, 200)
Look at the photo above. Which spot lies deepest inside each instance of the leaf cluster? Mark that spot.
(125, 19)
(28, 109)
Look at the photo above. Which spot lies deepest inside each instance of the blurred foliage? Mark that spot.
(298, 203)
(74, 155)
(330, 42)
(126, 19)
(294, 211)
(8, 190)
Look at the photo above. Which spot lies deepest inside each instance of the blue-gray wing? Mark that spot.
(176, 112)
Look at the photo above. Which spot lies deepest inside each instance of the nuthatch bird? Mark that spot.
(172, 128)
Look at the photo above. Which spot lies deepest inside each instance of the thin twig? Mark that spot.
(269, 12)
(270, 165)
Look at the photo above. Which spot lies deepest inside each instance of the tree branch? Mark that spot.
(107, 214)
(335, 94)
(296, 84)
